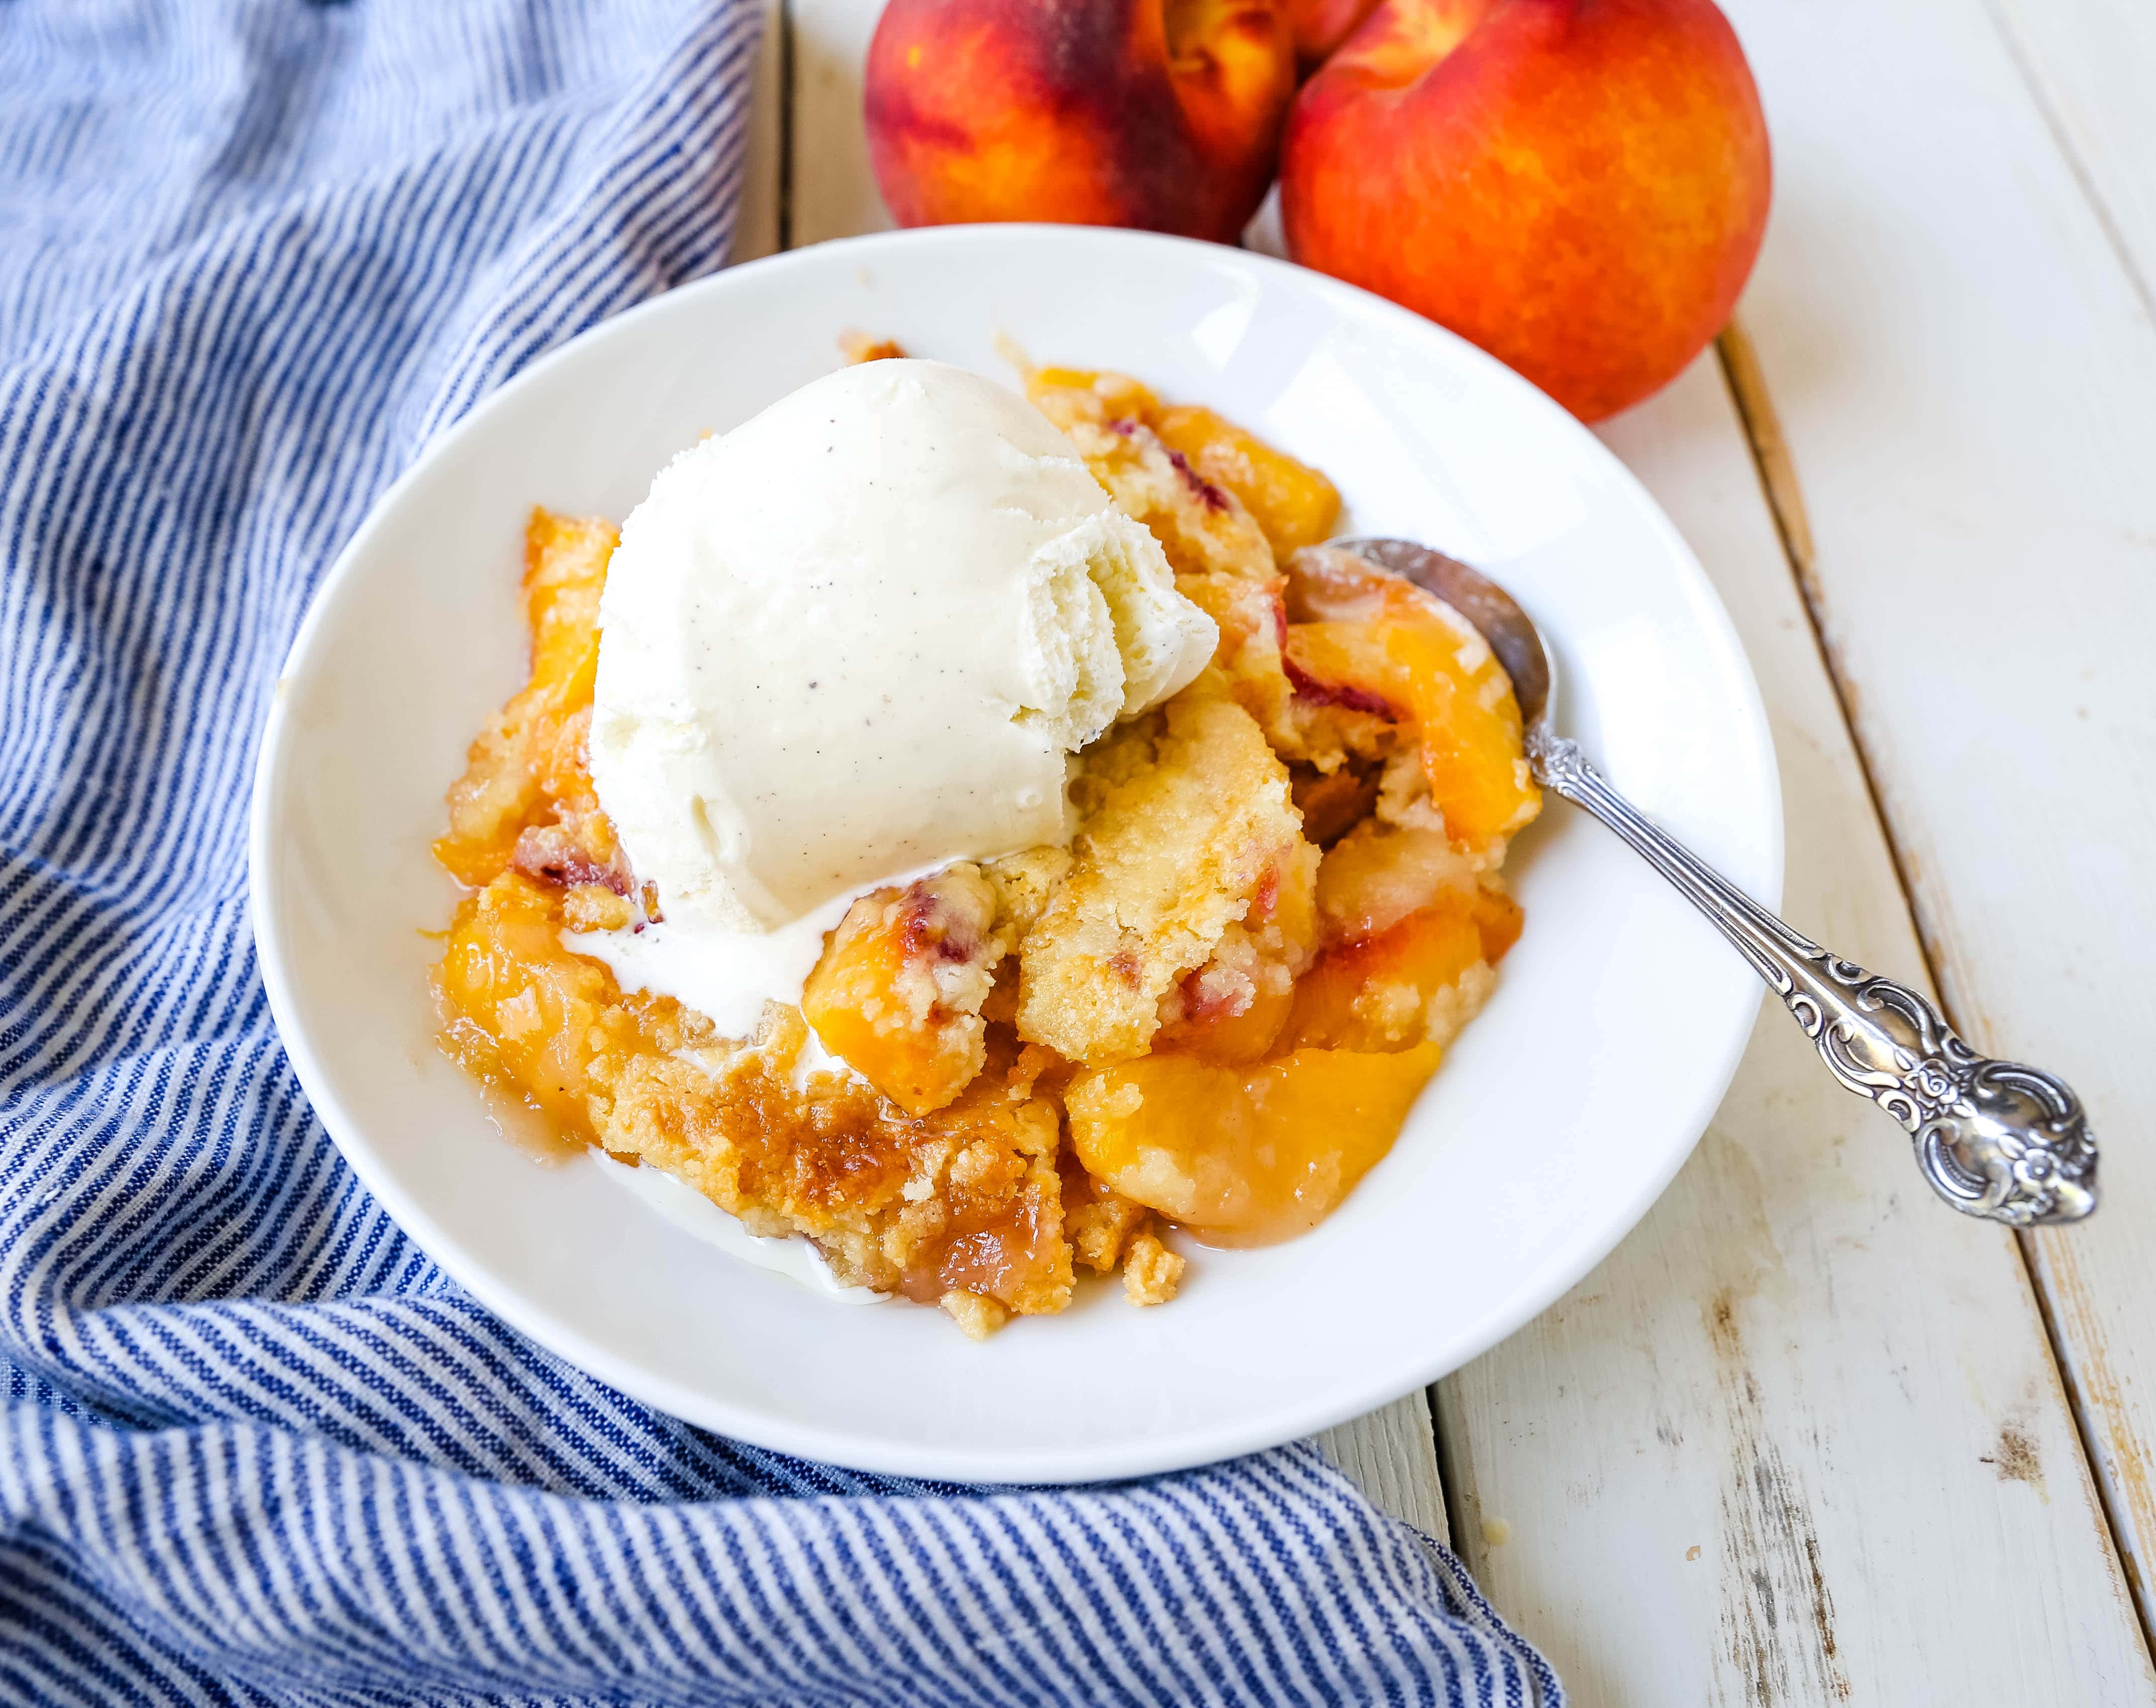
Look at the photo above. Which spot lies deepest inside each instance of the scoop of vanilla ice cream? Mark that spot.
(862, 634)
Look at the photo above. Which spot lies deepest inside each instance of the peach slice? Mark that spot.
(565, 566)
(1295, 504)
(1066, 395)
(1243, 1156)
(1374, 643)
(565, 562)
(898, 992)
(1239, 1026)
(519, 1010)
(1376, 994)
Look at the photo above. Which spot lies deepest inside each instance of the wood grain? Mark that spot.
(757, 228)
(2089, 64)
(1964, 368)
(834, 193)
(1779, 1445)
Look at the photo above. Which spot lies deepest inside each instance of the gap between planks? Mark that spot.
(1777, 478)
(2083, 64)
(1391, 1454)
(785, 58)
(1777, 469)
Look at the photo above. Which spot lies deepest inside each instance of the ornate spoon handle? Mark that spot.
(1993, 1138)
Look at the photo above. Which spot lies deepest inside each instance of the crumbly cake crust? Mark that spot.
(1263, 893)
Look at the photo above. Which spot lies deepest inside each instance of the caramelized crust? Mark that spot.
(967, 1198)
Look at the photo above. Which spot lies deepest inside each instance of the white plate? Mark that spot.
(1561, 1115)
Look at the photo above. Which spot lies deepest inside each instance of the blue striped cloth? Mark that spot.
(258, 1449)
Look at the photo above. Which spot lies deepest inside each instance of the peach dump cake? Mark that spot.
(978, 835)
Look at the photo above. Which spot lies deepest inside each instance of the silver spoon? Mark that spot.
(1995, 1139)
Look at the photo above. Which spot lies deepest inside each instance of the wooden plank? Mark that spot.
(1800, 1435)
(835, 192)
(757, 229)
(2089, 62)
(1965, 371)
(1391, 1455)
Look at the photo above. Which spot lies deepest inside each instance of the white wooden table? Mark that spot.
(1808, 1437)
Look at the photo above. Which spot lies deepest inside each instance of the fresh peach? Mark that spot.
(1321, 25)
(1578, 186)
(1162, 113)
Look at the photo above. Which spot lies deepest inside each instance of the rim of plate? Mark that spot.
(862, 1451)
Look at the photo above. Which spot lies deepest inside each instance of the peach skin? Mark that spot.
(1321, 25)
(1161, 114)
(1578, 186)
